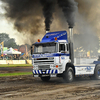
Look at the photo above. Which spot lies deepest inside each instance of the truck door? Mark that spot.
(64, 58)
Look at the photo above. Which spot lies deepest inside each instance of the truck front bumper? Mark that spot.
(41, 73)
(49, 71)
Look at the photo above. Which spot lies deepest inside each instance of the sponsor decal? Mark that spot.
(62, 57)
(61, 35)
(88, 68)
(52, 34)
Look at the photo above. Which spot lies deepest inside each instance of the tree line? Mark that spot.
(8, 42)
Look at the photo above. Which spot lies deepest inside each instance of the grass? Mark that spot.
(15, 65)
(15, 74)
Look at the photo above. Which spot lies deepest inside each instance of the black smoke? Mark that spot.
(69, 8)
(25, 14)
(48, 9)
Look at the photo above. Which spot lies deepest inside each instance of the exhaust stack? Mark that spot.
(47, 30)
(71, 48)
(70, 34)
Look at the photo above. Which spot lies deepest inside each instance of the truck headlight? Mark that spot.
(36, 67)
(51, 66)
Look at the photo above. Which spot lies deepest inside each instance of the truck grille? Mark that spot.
(43, 61)
(44, 67)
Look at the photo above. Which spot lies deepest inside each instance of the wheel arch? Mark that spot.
(70, 65)
(96, 67)
(96, 70)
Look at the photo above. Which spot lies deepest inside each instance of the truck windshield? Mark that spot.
(45, 48)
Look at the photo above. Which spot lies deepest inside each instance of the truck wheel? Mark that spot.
(45, 79)
(97, 72)
(68, 75)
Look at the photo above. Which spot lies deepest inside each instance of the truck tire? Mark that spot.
(45, 79)
(68, 75)
(97, 72)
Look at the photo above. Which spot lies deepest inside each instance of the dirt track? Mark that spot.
(29, 88)
(15, 69)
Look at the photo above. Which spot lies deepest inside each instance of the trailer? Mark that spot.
(53, 56)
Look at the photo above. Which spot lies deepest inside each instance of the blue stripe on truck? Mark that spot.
(49, 55)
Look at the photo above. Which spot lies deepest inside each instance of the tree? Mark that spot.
(8, 42)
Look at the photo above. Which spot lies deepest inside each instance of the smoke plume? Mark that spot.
(87, 25)
(27, 17)
(89, 10)
(24, 14)
(69, 8)
(48, 9)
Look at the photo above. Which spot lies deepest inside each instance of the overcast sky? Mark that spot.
(5, 27)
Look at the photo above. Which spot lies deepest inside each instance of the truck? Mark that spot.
(53, 56)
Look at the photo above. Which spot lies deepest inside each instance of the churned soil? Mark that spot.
(29, 88)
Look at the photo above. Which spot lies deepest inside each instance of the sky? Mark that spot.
(5, 26)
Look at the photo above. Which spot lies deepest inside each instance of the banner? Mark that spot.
(12, 62)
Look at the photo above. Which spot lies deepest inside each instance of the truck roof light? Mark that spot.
(55, 38)
(38, 40)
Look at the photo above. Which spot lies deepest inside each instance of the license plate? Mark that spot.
(53, 75)
(36, 75)
(44, 75)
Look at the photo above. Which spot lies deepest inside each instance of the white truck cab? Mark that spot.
(53, 57)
